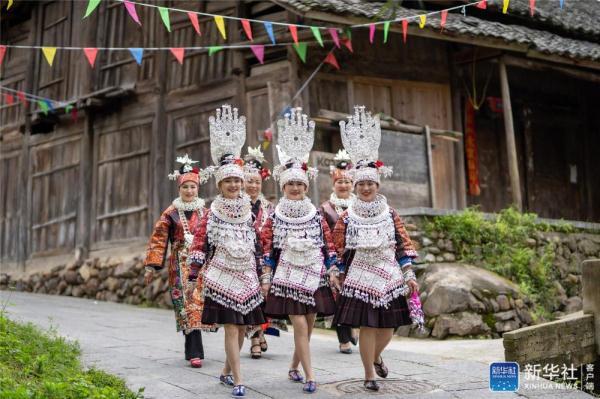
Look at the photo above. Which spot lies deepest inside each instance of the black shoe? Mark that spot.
(381, 369)
(371, 385)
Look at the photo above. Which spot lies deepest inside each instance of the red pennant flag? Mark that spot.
(348, 44)
(482, 4)
(74, 114)
(259, 52)
(371, 33)
(90, 54)
(330, 59)
(334, 35)
(444, 17)
(404, 29)
(294, 32)
(2, 52)
(247, 29)
(21, 96)
(195, 23)
(532, 7)
(178, 53)
(10, 100)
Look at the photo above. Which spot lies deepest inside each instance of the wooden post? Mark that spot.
(457, 125)
(511, 148)
(431, 179)
(84, 220)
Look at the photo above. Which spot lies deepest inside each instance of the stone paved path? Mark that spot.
(141, 345)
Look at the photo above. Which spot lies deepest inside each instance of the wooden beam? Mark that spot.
(511, 147)
(545, 66)
(431, 180)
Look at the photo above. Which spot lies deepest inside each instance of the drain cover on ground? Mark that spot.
(387, 386)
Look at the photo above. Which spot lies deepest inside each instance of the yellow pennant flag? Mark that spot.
(423, 18)
(10, 3)
(49, 53)
(505, 6)
(221, 25)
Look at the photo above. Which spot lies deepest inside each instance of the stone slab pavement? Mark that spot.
(141, 345)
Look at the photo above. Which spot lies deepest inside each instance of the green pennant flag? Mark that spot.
(164, 15)
(349, 33)
(386, 29)
(43, 106)
(317, 33)
(91, 7)
(301, 50)
(214, 49)
(68, 108)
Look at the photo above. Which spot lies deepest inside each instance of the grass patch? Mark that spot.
(41, 364)
(500, 244)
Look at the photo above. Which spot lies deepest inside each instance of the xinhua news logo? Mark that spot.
(504, 377)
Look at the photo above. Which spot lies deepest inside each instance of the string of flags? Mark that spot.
(14, 97)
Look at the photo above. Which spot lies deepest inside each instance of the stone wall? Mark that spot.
(458, 299)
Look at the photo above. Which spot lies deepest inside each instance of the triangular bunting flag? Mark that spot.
(301, 50)
(10, 3)
(444, 17)
(330, 59)
(49, 103)
(562, 3)
(532, 7)
(10, 100)
(22, 97)
(371, 33)
(132, 12)
(294, 32)
(2, 52)
(386, 29)
(49, 53)
(348, 44)
(90, 54)
(91, 7)
(505, 6)
(74, 114)
(137, 54)
(259, 52)
(247, 29)
(214, 49)
(348, 32)
(422, 20)
(68, 108)
(317, 34)
(43, 106)
(164, 15)
(195, 23)
(178, 53)
(404, 29)
(482, 4)
(334, 35)
(220, 22)
(269, 28)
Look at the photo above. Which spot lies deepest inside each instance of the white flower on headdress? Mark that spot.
(256, 153)
(187, 162)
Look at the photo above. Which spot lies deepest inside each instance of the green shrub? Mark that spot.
(500, 244)
(40, 364)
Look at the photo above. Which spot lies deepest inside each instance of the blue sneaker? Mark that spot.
(310, 387)
(239, 391)
(226, 380)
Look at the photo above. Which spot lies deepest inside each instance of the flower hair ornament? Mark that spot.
(254, 164)
(188, 172)
(361, 137)
(227, 137)
(342, 164)
(295, 140)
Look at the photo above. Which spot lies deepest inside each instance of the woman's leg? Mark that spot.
(367, 346)
(384, 336)
(193, 345)
(301, 341)
(232, 352)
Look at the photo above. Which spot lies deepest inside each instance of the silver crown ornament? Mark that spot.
(227, 133)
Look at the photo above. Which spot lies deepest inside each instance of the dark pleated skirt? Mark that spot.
(279, 307)
(353, 312)
(215, 313)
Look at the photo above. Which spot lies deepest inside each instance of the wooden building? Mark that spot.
(101, 180)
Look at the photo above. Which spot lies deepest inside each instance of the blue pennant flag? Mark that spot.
(137, 53)
(49, 103)
(269, 29)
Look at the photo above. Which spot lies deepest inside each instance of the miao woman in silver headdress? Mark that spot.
(227, 247)
(298, 251)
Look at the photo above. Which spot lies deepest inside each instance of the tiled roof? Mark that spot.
(572, 32)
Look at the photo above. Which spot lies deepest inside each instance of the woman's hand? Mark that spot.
(334, 282)
(265, 287)
(148, 276)
(413, 285)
